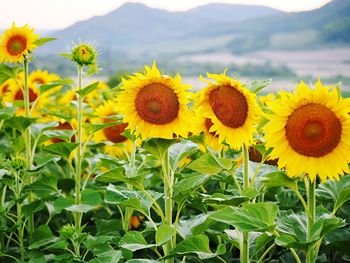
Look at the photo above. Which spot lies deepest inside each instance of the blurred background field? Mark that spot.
(252, 41)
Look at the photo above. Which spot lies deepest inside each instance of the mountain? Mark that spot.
(135, 25)
(326, 26)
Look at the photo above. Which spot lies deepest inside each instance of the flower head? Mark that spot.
(155, 105)
(309, 131)
(17, 42)
(231, 109)
(84, 54)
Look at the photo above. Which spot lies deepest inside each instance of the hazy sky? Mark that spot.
(57, 14)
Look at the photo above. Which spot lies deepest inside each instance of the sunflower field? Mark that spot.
(150, 171)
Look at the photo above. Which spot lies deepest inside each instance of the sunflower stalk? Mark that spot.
(20, 223)
(128, 210)
(311, 187)
(168, 193)
(244, 241)
(79, 156)
(27, 140)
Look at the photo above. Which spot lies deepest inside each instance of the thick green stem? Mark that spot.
(244, 242)
(19, 216)
(27, 140)
(78, 215)
(311, 202)
(131, 173)
(168, 193)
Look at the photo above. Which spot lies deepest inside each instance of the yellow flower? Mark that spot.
(17, 42)
(211, 139)
(309, 131)
(155, 105)
(42, 77)
(231, 108)
(15, 92)
(4, 87)
(112, 134)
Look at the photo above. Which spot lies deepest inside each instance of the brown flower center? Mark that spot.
(157, 103)
(208, 124)
(16, 45)
(39, 80)
(114, 133)
(229, 105)
(313, 130)
(5, 88)
(20, 96)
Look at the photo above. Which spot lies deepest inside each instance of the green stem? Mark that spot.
(78, 215)
(168, 193)
(244, 242)
(267, 251)
(27, 140)
(245, 167)
(132, 169)
(19, 217)
(311, 186)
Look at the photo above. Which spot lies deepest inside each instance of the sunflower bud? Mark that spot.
(84, 55)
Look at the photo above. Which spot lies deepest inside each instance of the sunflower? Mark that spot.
(41, 77)
(155, 105)
(232, 110)
(211, 139)
(112, 134)
(4, 87)
(17, 42)
(309, 131)
(15, 92)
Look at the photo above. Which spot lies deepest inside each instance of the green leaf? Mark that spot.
(258, 85)
(44, 187)
(289, 242)
(6, 72)
(206, 164)
(33, 207)
(338, 191)
(133, 240)
(279, 178)
(62, 203)
(158, 147)
(179, 151)
(62, 149)
(185, 227)
(85, 91)
(7, 112)
(133, 199)
(92, 69)
(66, 55)
(82, 208)
(259, 217)
(190, 183)
(41, 41)
(62, 82)
(113, 176)
(19, 123)
(164, 233)
(142, 260)
(231, 200)
(64, 135)
(198, 245)
(38, 128)
(91, 197)
(42, 236)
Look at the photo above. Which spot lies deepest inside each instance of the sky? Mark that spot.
(58, 14)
